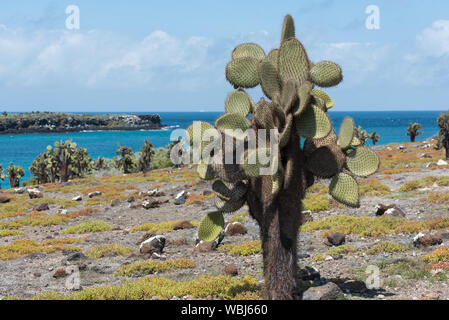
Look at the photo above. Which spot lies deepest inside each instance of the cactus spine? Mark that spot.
(297, 109)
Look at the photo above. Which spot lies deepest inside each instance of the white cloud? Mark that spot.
(434, 41)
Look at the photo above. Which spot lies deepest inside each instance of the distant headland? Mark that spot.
(56, 122)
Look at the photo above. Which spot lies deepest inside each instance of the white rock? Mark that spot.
(77, 198)
(35, 193)
(442, 163)
(181, 198)
(94, 194)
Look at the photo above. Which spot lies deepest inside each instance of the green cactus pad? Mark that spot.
(326, 74)
(221, 188)
(229, 172)
(356, 142)
(232, 122)
(293, 61)
(304, 97)
(242, 72)
(345, 190)
(362, 162)
(264, 115)
(346, 132)
(200, 128)
(278, 116)
(286, 133)
(205, 171)
(313, 123)
(288, 28)
(273, 57)
(269, 78)
(250, 50)
(253, 168)
(324, 96)
(288, 95)
(310, 145)
(211, 226)
(238, 102)
(325, 162)
(228, 206)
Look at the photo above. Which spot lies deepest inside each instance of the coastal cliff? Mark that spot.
(46, 122)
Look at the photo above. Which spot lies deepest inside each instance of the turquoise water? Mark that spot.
(23, 149)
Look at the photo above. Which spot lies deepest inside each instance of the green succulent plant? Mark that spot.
(413, 131)
(15, 173)
(443, 135)
(295, 109)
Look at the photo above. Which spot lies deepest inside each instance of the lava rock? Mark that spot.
(231, 270)
(94, 194)
(151, 204)
(4, 199)
(183, 225)
(335, 239)
(329, 291)
(60, 273)
(422, 240)
(41, 207)
(77, 198)
(35, 193)
(181, 198)
(235, 228)
(308, 274)
(154, 244)
(391, 210)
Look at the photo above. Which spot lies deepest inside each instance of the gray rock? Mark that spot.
(181, 198)
(152, 245)
(329, 291)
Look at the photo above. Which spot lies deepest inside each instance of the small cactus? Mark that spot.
(15, 173)
(375, 137)
(443, 135)
(126, 160)
(294, 109)
(413, 131)
(146, 154)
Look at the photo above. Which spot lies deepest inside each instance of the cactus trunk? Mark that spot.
(412, 138)
(279, 220)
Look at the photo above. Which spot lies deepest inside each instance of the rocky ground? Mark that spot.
(139, 224)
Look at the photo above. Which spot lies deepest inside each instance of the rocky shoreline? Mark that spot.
(61, 123)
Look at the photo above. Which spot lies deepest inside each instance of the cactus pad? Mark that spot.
(362, 162)
(269, 78)
(195, 133)
(313, 123)
(304, 97)
(286, 133)
(211, 226)
(288, 95)
(238, 102)
(264, 115)
(326, 74)
(273, 57)
(253, 164)
(228, 206)
(293, 61)
(323, 95)
(242, 72)
(232, 122)
(346, 132)
(288, 28)
(345, 189)
(356, 141)
(251, 50)
(326, 162)
(229, 172)
(205, 171)
(221, 188)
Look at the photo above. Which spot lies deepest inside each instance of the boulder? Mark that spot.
(41, 207)
(154, 244)
(426, 240)
(335, 239)
(235, 228)
(35, 193)
(391, 210)
(151, 204)
(94, 194)
(183, 225)
(181, 198)
(4, 199)
(231, 270)
(329, 291)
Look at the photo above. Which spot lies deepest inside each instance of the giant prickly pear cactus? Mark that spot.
(295, 109)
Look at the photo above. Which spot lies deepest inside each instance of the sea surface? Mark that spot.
(23, 149)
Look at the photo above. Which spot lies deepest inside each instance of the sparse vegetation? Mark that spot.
(244, 249)
(151, 266)
(390, 247)
(87, 227)
(108, 249)
(20, 248)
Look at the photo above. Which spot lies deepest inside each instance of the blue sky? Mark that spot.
(146, 55)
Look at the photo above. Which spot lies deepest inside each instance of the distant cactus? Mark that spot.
(374, 137)
(362, 135)
(126, 160)
(15, 173)
(61, 163)
(2, 174)
(413, 131)
(443, 135)
(296, 109)
(146, 154)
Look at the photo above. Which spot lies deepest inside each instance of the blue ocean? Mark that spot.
(23, 149)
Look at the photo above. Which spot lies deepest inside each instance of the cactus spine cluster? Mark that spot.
(295, 109)
(413, 131)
